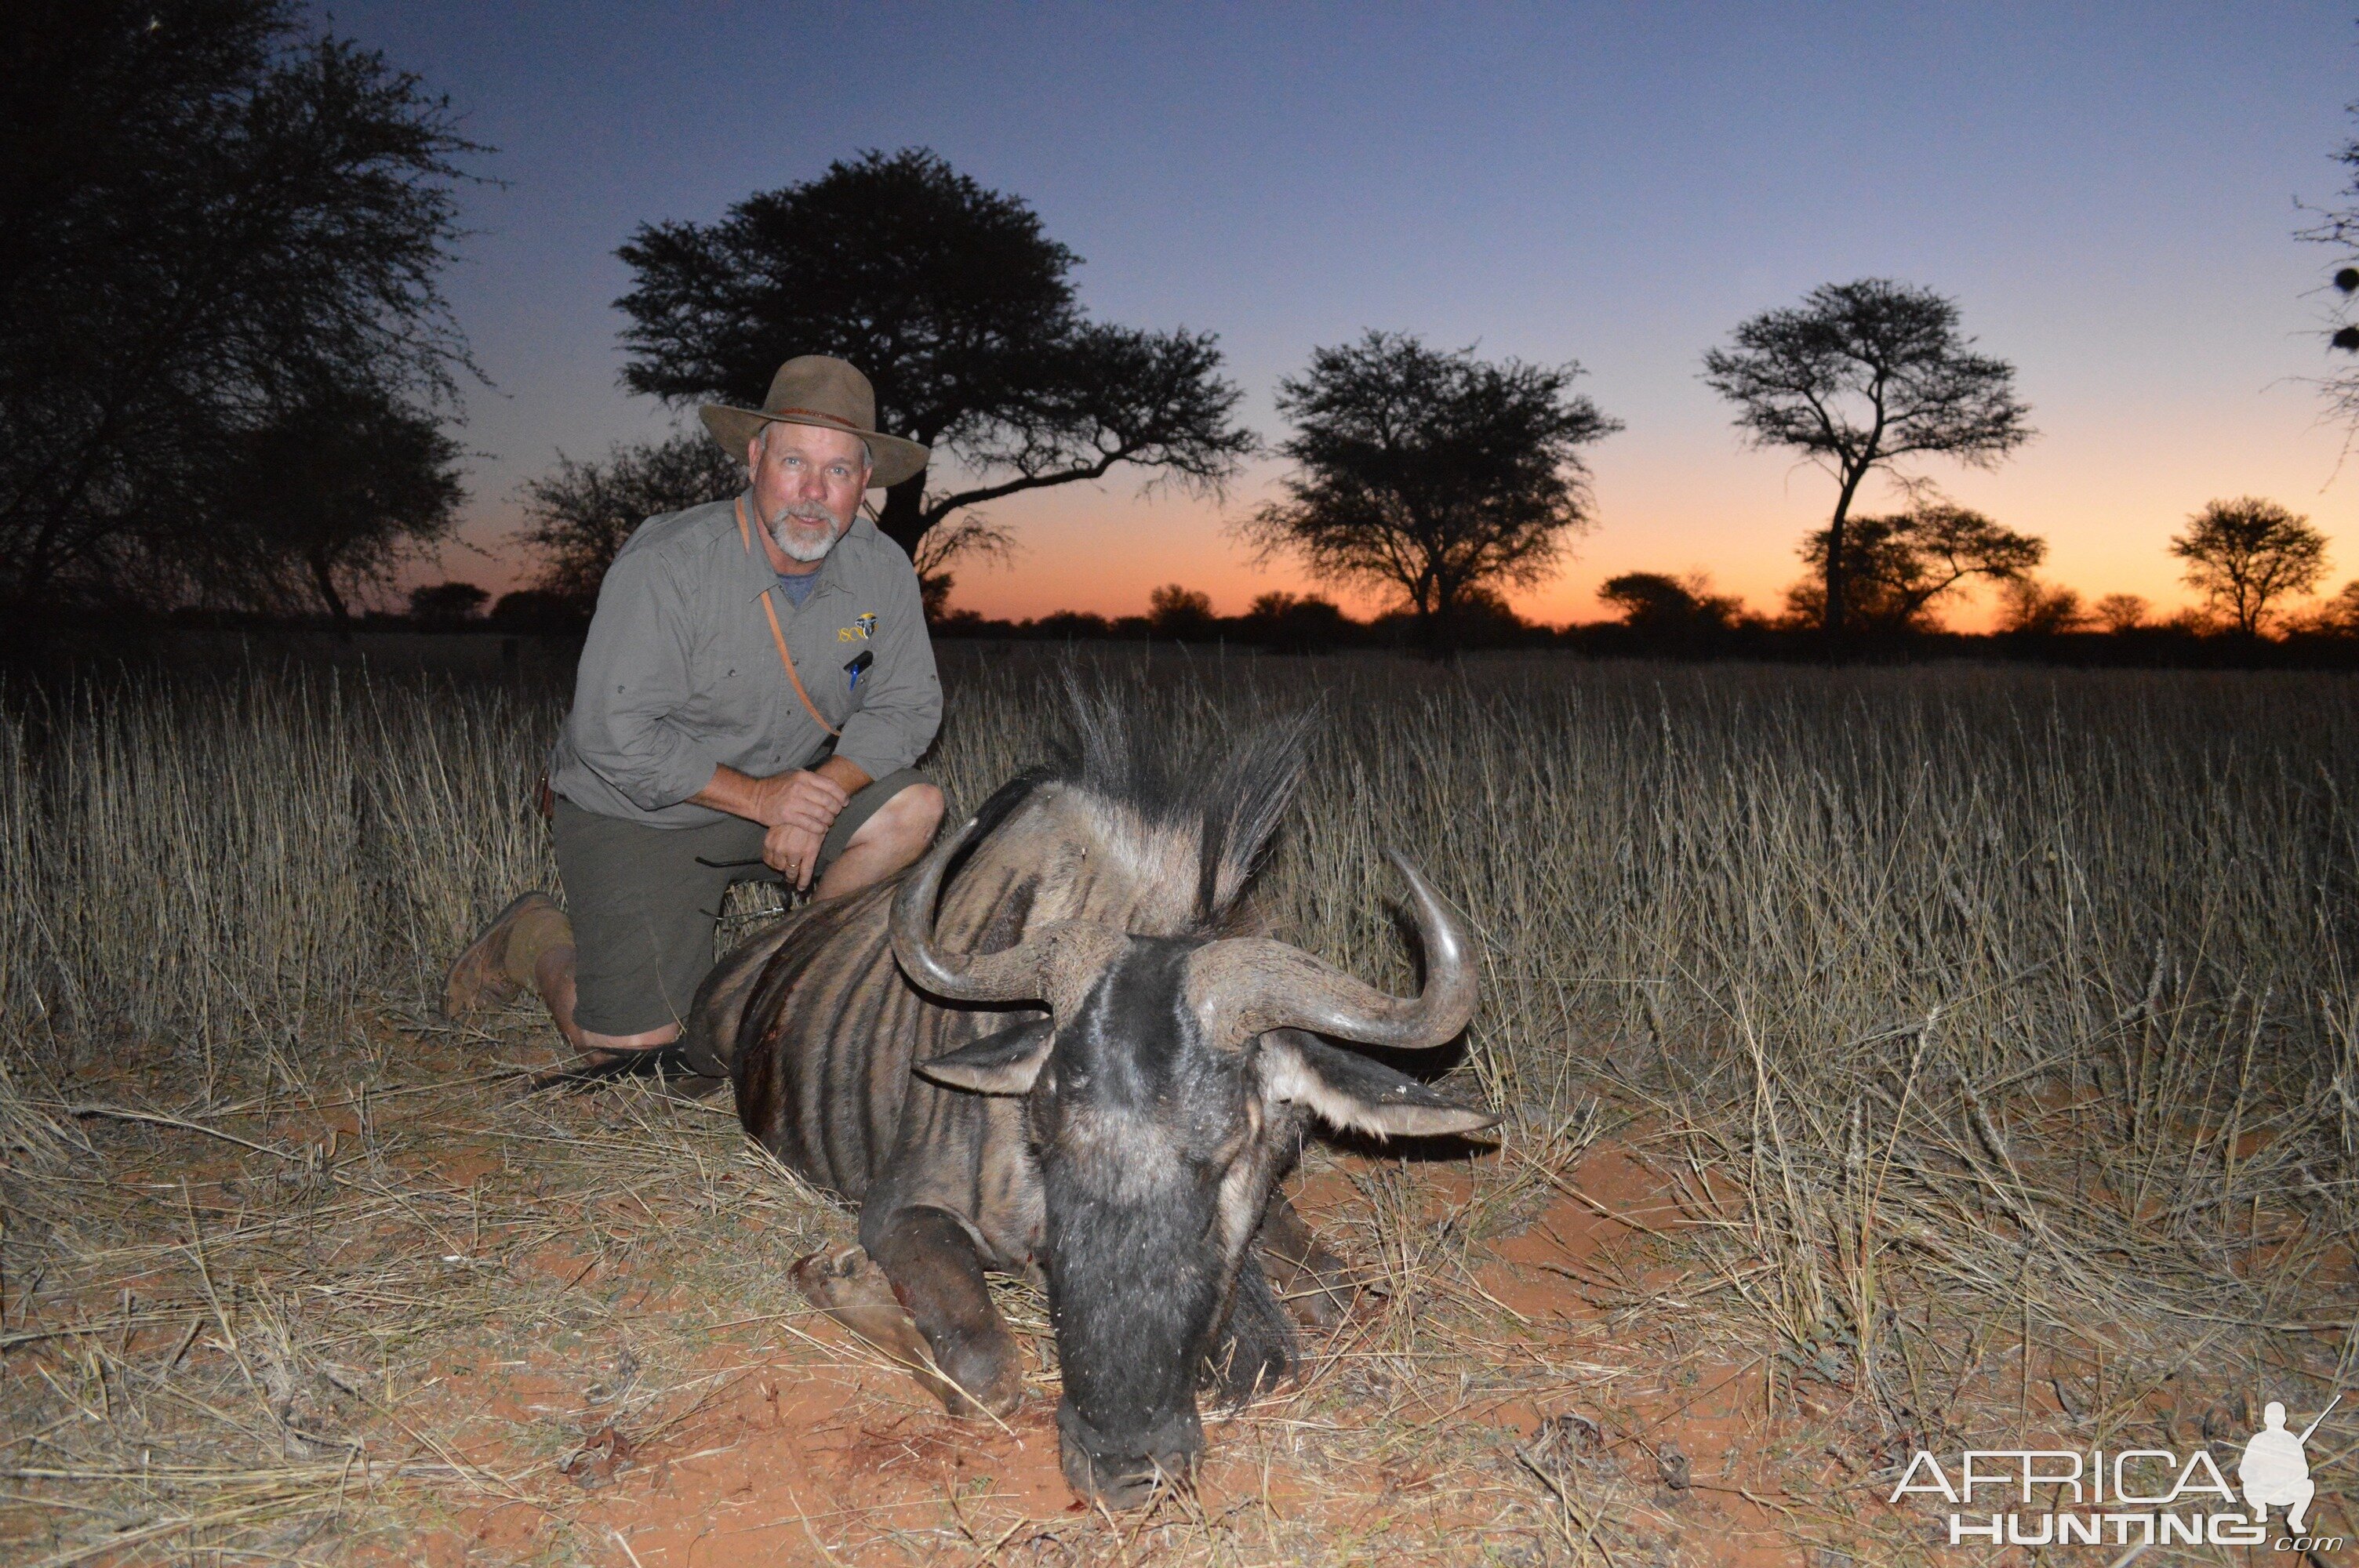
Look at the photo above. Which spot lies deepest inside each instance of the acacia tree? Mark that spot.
(215, 224)
(2338, 228)
(962, 312)
(580, 513)
(1901, 566)
(2245, 555)
(2041, 609)
(1660, 603)
(1437, 474)
(2120, 612)
(1863, 376)
(330, 498)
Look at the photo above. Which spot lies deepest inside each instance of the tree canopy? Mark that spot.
(1861, 376)
(2337, 227)
(961, 310)
(1434, 473)
(1660, 603)
(1902, 566)
(580, 513)
(220, 233)
(2245, 555)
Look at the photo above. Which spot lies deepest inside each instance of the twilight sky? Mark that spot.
(2108, 191)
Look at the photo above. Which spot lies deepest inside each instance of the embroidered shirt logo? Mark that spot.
(862, 627)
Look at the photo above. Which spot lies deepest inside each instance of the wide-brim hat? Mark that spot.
(820, 390)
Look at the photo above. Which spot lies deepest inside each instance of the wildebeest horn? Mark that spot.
(1055, 964)
(1244, 987)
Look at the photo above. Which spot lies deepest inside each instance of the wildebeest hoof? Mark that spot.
(849, 1287)
(993, 1376)
(823, 1277)
(1317, 1287)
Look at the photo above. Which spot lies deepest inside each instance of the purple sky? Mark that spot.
(2109, 191)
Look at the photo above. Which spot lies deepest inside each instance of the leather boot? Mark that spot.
(498, 964)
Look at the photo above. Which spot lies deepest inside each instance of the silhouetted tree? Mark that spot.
(2120, 612)
(958, 308)
(1437, 474)
(1298, 623)
(1861, 376)
(972, 538)
(447, 602)
(1479, 618)
(2338, 227)
(1662, 605)
(215, 228)
(1185, 613)
(537, 610)
(580, 513)
(2039, 610)
(2339, 615)
(1068, 625)
(2245, 555)
(1901, 566)
(328, 499)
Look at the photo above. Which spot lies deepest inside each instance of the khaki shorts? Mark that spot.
(644, 902)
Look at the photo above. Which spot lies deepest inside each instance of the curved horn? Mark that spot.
(1045, 968)
(1246, 987)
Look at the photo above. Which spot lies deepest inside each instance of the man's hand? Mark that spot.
(797, 808)
(792, 850)
(806, 800)
(810, 798)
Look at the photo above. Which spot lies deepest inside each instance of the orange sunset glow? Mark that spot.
(2105, 489)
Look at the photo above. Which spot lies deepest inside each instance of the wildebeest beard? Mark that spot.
(1154, 1180)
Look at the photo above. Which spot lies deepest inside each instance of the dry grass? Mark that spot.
(1980, 1044)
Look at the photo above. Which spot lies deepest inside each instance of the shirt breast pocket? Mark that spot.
(724, 684)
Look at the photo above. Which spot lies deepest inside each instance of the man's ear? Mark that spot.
(1003, 1063)
(1345, 1090)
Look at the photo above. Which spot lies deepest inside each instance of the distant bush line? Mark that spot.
(1313, 626)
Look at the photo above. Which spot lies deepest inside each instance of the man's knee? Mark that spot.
(904, 824)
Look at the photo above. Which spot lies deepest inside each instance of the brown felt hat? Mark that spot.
(821, 390)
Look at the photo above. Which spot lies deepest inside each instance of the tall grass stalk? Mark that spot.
(1933, 987)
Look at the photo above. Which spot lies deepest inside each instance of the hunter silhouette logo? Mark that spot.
(2276, 1467)
(2132, 1496)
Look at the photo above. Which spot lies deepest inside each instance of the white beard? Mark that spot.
(799, 539)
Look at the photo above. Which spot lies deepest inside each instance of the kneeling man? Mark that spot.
(756, 688)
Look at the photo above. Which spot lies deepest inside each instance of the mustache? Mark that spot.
(803, 512)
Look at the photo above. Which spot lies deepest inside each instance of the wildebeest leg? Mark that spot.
(938, 1274)
(850, 1288)
(1257, 1350)
(1315, 1285)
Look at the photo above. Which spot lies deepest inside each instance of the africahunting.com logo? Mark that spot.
(2133, 1496)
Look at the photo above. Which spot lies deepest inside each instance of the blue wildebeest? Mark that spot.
(1054, 1048)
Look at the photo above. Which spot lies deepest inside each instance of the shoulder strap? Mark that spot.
(745, 533)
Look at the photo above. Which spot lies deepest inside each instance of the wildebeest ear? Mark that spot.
(1002, 1064)
(1352, 1092)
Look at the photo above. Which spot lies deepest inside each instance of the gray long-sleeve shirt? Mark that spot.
(679, 674)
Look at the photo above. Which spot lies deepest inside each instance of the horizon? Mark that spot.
(2112, 205)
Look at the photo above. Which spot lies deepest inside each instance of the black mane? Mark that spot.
(1231, 808)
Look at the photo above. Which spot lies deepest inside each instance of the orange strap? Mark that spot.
(745, 533)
